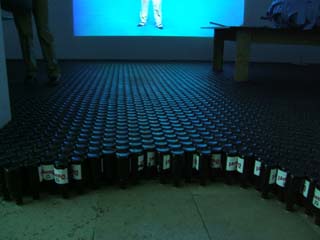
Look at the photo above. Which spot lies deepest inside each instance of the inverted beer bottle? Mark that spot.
(61, 175)
(13, 179)
(229, 163)
(316, 203)
(204, 165)
(190, 152)
(79, 172)
(165, 161)
(177, 163)
(268, 176)
(216, 165)
(123, 166)
(245, 166)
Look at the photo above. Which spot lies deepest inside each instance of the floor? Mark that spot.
(273, 109)
(154, 211)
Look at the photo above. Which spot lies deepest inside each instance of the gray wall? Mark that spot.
(145, 48)
(5, 114)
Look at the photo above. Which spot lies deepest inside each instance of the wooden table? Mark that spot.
(244, 36)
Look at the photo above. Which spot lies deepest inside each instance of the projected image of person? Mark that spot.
(157, 12)
(23, 22)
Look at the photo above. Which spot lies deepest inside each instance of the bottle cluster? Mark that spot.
(126, 127)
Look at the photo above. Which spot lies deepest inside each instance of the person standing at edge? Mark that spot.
(23, 22)
(156, 11)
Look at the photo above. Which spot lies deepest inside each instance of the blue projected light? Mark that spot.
(181, 18)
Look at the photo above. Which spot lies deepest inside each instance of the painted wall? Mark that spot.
(152, 48)
(5, 114)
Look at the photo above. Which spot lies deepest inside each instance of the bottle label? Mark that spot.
(76, 172)
(240, 165)
(306, 188)
(196, 161)
(316, 198)
(216, 161)
(166, 162)
(40, 173)
(273, 176)
(61, 176)
(281, 178)
(151, 161)
(140, 163)
(257, 168)
(47, 172)
(231, 164)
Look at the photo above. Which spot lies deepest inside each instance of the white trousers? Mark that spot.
(156, 11)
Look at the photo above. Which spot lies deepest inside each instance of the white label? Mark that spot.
(281, 178)
(257, 168)
(216, 161)
(140, 163)
(40, 174)
(61, 176)
(166, 162)
(240, 165)
(306, 187)
(47, 172)
(316, 198)
(196, 161)
(151, 161)
(76, 172)
(231, 164)
(273, 176)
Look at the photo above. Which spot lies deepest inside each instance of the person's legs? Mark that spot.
(144, 12)
(40, 12)
(23, 22)
(157, 11)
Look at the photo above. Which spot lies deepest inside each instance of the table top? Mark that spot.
(266, 28)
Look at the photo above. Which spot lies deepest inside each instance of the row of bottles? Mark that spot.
(88, 168)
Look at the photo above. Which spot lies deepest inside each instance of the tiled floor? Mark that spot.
(154, 211)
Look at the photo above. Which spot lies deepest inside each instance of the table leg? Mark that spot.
(218, 48)
(243, 40)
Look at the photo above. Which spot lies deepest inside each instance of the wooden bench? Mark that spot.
(244, 36)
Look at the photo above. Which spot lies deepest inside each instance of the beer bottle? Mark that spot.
(123, 166)
(261, 155)
(190, 152)
(47, 170)
(13, 179)
(196, 157)
(281, 180)
(34, 173)
(268, 176)
(177, 164)
(316, 203)
(61, 175)
(4, 163)
(245, 166)
(229, 163)
(216, 158)
(204, 165)
(78, 171)
(137, 162)
(95, 173)
(150, 160)
(109, 164)
(256, 173)
(307, 191)
(294, 182)
(165, 167)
